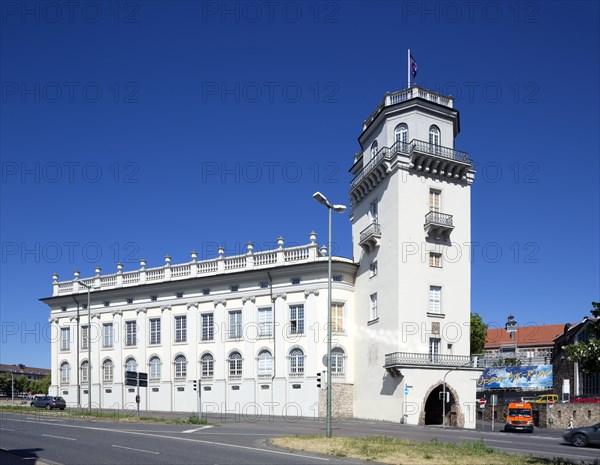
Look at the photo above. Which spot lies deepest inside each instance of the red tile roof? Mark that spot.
(542, 335)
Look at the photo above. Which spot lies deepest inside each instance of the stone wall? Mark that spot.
(556, 417)
(342, 400)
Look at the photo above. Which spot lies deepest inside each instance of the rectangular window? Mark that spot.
(337, 278)
(154, 330)
(295, 280)
(296, 319)
(435, 260)
(265, 321)
(434, 349)
(208, 327)
(235, 324)
(434, 200)
(84, 372)
(374, 314)
(373, 269)
(130, 333)
(263, 284)
(374, 212)
(180, 328)
(84, 337)
(435, 299)
(205, 291)
(65, 338)
(153, 298)
(337, 317)
(234, 288)
(108, 372)
(107, 335)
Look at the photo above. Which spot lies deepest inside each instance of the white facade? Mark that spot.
(252, 327)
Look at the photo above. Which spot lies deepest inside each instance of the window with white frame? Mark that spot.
(180, 367)
(207, 366)
(401, 133)
(338, 367)
(84, 371)
(337, 317)
(181, 328)
(155, 330)
(435, 259)
(65, 339)
(130, 364)
(107, 335)
(374, 148)
(296, 363)
(154, 368)
(65, 373)
(374, 212)
(130, 333)
(235, 365)
(208, 327)
(434, 348)
(373, 269)
(235, 324)
(434, 135)
(374, 313)
(265, 364)
(435, 197)
(85, 336)
(297, 319)
(108, 371)
(435, 299)
(265, 321)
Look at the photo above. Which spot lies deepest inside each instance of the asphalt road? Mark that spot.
(72, 441)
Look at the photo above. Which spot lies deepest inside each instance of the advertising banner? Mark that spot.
(530, 377)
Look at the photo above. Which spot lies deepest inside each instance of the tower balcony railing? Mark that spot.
(392, 98)
(440, 151)
(384, 153)
(372, 230)
(406, 359)
(440, 219)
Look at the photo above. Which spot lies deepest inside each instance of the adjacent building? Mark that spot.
(252, 328)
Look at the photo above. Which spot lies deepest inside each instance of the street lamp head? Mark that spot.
(339, 208)
(321, 199)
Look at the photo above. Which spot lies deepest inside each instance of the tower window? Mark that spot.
(435, 197)
(401, 133)
(373, 269)
(374, 148)
(434, 137)
(435, 260)
(435, 299)
(374, 314)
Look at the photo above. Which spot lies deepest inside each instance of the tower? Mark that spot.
(410, 213)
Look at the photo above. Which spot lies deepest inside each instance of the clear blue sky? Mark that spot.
(156, 128)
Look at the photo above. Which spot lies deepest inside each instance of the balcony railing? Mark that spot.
(384, 153)
(392, 98)
(372, 230)
(440, 219)
(439, 151)
(400, 359)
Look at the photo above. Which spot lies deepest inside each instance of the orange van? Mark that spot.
(519, 417)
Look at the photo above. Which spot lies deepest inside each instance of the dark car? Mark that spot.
(49, 402)
(583, 436)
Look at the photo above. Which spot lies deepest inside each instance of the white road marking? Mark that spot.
(233, 446)
(197, 429)
(59, 437)
(7, 429)
(137, 450)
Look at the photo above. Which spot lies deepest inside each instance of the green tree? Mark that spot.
(478, 334)
(587, 354)
(5, 383)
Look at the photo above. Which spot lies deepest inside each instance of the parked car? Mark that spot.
(585, 399)
(49, 402)
(545, 398)
(583, 436)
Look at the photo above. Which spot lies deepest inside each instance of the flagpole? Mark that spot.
(408, 68)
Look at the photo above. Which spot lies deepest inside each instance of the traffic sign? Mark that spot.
(482, 402)
(405, 391)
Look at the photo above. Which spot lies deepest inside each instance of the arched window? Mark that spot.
(401, 133)
(180, 367)
(265, 364)
(434, 135)
(374, 148)
(154, 368)
(107, 371)
(207, 363)
(65, 373)
(337, 362)
(130, 364)
(85, 371)
(235, 365)
(296, 362)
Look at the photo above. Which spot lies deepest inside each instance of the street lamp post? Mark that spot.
(339, 209)
(89, 344)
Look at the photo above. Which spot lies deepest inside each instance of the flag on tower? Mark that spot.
(413, 67)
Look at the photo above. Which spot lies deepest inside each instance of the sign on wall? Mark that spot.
(532, 377)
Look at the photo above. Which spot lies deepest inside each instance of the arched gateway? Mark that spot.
(434, 407)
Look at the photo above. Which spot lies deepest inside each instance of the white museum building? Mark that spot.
(250, 330)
